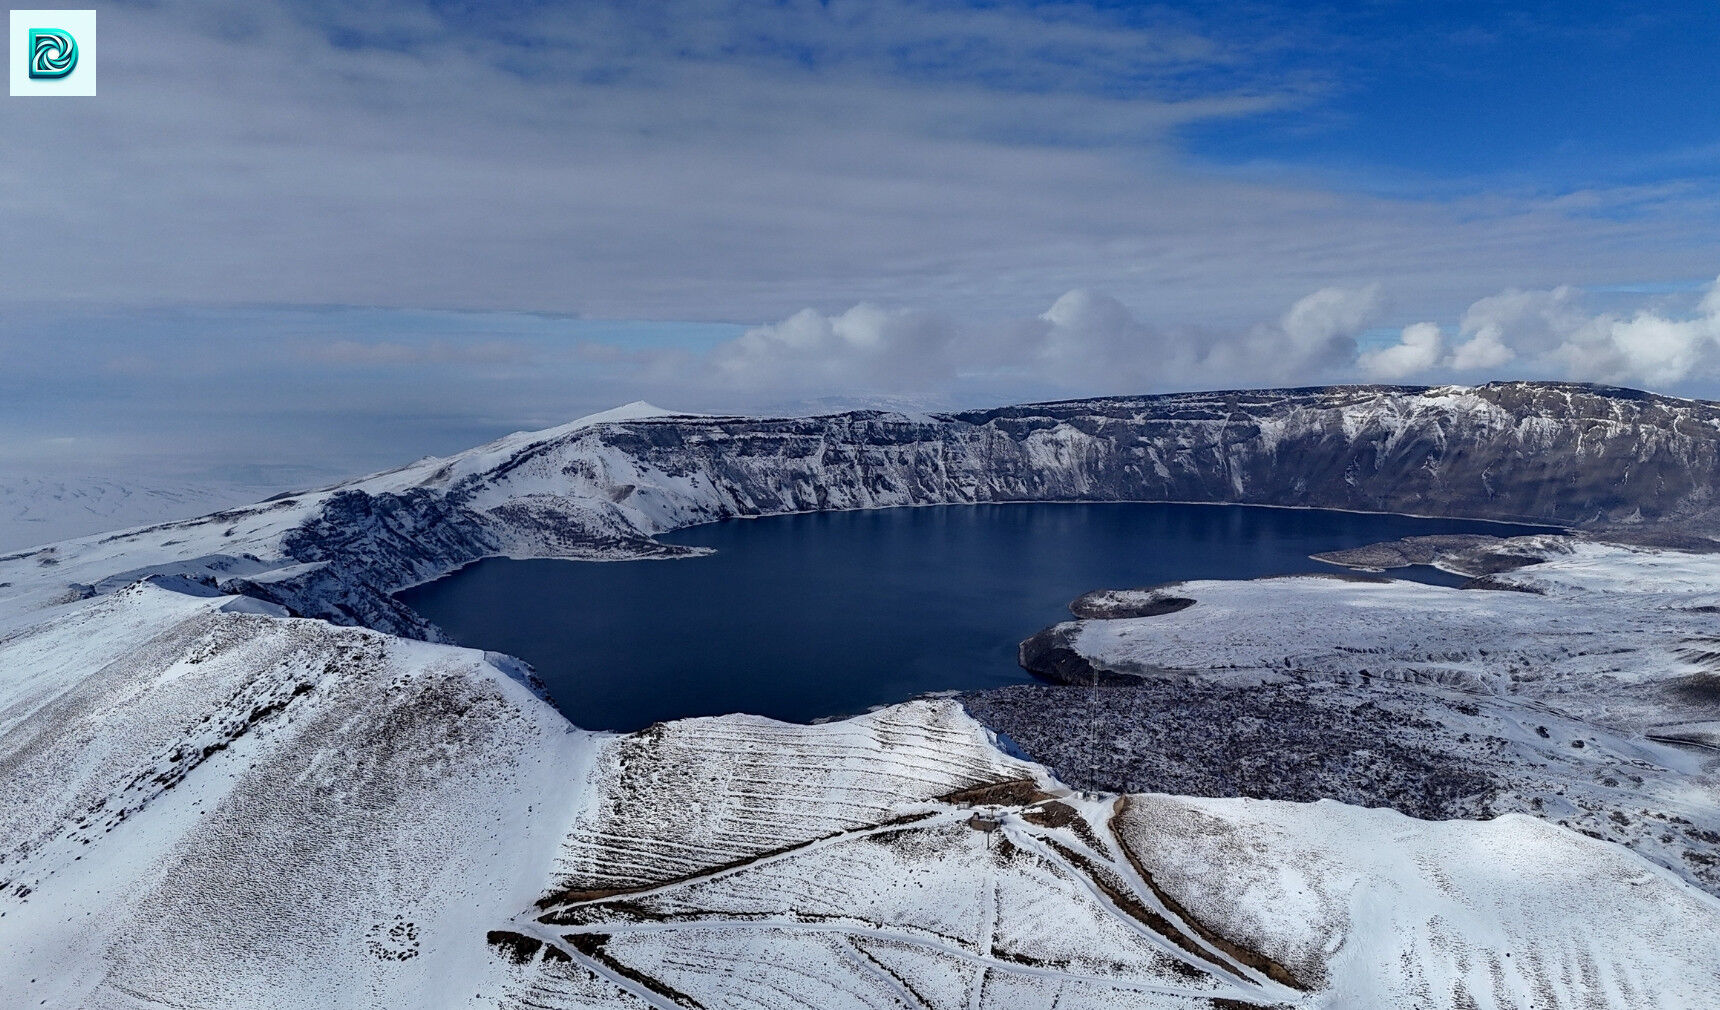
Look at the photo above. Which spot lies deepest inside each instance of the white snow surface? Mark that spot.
(874, 870)
(1393, 912)
(1595, 681)
(206, 804)
(37, 510)
(209, 808)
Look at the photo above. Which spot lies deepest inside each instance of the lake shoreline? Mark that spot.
(811, 615)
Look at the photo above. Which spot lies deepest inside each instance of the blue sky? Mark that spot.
(326, 236)
(1447, 98)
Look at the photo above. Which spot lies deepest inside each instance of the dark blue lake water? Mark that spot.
(807, 616)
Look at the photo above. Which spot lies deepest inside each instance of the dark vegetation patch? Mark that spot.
(516, 947)
(1282, 742)
(393, 941)
(1489, 582)
(1702, 688)
(1009, 793)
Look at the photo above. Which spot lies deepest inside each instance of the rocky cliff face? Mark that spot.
(1543, 452)
(1534, 451)
(205, 804)
(1540, 452)
(1528, 451)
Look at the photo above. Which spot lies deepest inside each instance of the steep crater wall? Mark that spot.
(1539, 452)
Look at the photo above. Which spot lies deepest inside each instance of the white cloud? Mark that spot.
(1647, 348)
(1087, 342)
(1090, 338)
(864, 347)
(1330, 314)
(683, 162)
(1553, 333)
(1485, 350)
(1418, 349)
(1514, 322)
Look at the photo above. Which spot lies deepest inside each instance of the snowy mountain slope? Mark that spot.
(249, 548)
(209, 807)
(1025, 894)
(207, 804)
(600, 488)
(313, 863)
(1393, 912)
(202, 807)
(1579, 698)
(836, 782)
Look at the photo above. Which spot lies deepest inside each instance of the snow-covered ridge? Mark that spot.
(603, 486)
(206, 803)
(898, 860)
(205, 808)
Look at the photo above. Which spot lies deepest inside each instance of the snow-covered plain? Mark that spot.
(208, 802)
(36, 510)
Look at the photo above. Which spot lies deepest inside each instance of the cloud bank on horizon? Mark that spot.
(1090, 342)
(341, 234)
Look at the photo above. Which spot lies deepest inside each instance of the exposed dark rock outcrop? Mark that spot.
(1049, 656)
(1556, 453)
(1112, 604)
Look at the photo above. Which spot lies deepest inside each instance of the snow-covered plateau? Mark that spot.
(234, 772)
(36, 509)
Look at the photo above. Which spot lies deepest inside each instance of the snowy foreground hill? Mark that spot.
(234, 773)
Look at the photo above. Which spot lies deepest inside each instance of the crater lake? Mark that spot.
(802, 617)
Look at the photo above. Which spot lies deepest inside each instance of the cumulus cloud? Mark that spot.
(1326, 321)
(1089, 336)
(1484, 350)
(1086, 342)
(864, 346)
(1089, 342)
(1497, 329)
(1647, 347)
(1553, 332)
(1418, 349)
